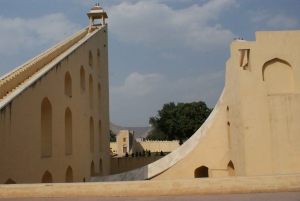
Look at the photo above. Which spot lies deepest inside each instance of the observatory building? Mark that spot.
(54, 111)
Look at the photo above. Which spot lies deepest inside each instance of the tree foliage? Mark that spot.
(178, 122)
(112, 136)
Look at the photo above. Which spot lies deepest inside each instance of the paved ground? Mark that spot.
(285, 196)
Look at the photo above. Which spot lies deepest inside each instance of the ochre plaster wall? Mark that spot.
(20, 121)
(256, 130)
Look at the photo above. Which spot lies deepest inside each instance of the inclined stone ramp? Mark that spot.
(161, 165)
(17, 80)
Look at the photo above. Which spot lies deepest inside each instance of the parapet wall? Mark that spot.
(165, 146)
(19, 75)
(124, 164)
(258, 184)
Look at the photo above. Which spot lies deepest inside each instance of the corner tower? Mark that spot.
(96, 13)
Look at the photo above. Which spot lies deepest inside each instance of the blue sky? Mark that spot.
(160, 51)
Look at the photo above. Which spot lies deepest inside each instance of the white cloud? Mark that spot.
(158, 25)
(277, 21)
(142, 95)
(257, 16)
(137, 85)
(283, 21)
(18, 34)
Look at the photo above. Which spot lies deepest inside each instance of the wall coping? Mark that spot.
(200, 186)
(46, 69)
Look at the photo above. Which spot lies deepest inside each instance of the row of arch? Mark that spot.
(46, 130)
(68, 87)
(98, 61)
(47, 176)
(203, 171)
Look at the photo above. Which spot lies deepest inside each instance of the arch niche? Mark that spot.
(69, 175)
(230, 168)
(47, 177)
(201, 172)
(278, 75)
(46, 128)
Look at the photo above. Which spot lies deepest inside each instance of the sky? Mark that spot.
(160, 51)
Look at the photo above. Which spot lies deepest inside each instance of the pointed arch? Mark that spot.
(278, 75)
(98, 63)
(100, 167)
(82, 78)
(93, 173)
(90, 59)
(91, 91)
(91, 134)
(69, 175)
(46, 128)
(68, 131)
(100, 135)
(99, 98)
(68, 84)
(47, 177)
(230, 168)
(10, 181)
(201, 172)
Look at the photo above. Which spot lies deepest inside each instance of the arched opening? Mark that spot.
(82, 78)
(124, 149)
(228, 135)
(46, 128)
(91, 134)
(91, 94)
(47, 177)
(68, 84)
(230, 168)
(99, 98)
(201, 172)
(90, 59)
(100, 167)
(83, 179)
(100, 135)
(69, 175)
(10, 181)
(68, 131)
(98, 63)
(93, 169)
(278, 75)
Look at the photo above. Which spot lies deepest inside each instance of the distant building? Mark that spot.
(126, 142)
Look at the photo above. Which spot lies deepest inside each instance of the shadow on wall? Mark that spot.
(138, 147)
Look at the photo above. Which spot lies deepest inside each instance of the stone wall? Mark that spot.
(124, 164)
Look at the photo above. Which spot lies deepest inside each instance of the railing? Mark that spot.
(18, 76)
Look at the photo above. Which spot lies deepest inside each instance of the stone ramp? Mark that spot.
(158, 167)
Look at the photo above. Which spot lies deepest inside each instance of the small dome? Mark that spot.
(97, 9)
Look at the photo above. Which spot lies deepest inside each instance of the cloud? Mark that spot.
(142, 95)
(137, 85)
(276, 21)
(283, 21)
(156, 24)
(18, 34)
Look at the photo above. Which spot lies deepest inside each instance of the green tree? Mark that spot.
(112, 136)
(178, 122)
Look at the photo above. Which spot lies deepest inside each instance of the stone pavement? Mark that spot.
(281, 196)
